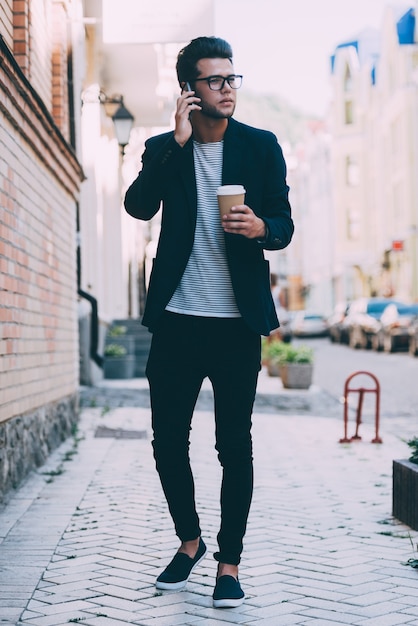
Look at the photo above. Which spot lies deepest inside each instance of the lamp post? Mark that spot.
(122, 118)
(123, 121)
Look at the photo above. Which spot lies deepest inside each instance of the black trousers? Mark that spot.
(184, 350)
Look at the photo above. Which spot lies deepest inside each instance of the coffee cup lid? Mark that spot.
(230, 190)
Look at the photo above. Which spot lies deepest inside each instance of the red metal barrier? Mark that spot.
(361, 391)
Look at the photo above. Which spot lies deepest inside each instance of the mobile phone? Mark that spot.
(187, 88)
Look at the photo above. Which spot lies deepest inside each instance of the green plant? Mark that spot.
(289, 353)
(272, 349)
(413, 444)
(413, 561)
(67, 457)
(115, 350)
(117, 330)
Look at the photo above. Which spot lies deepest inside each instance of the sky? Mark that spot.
(284, 46)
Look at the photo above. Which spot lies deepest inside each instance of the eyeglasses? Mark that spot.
(216, 83)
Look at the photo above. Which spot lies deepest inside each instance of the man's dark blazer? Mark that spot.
(252, 158)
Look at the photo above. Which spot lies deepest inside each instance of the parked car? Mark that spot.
(413, 337)
(309, 324)
(363, 320)
(393, 331)
(337, 330)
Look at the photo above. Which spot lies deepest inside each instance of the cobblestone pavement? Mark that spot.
(84, 538)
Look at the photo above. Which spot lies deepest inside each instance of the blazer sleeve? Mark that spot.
(275, 210)
(144, 196)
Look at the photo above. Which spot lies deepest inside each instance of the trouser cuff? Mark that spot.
(223, 557)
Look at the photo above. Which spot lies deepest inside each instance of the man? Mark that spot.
(209, 296)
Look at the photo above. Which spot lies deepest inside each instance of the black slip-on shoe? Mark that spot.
(228, 593)
(177, 572)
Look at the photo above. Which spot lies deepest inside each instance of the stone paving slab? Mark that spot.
(84, 538)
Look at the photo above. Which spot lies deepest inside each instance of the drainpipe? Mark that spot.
(94, 327)
(94, 319)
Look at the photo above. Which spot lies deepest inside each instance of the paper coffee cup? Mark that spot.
(229, 196)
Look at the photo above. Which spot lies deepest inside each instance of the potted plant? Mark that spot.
(271, 350)
(118, 363)
(405, 487)
(117, 335)
(295, 366)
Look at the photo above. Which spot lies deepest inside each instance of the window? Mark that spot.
(352, 176)
(353, 224)
(348, 112)
(348, 82)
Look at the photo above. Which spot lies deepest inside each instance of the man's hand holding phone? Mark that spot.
(186, 103)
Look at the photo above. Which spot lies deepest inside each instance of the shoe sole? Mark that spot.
(181, 583)
(228, 603)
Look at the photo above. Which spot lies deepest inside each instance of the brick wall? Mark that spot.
(40, 179)
(38, 33)
(6, 21)
(40, 47)
(38, 275)
(21, 41)
(60, 48)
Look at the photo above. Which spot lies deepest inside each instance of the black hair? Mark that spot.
(200, 48)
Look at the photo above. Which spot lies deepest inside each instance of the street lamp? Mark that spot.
(123, 120)
(121, 117)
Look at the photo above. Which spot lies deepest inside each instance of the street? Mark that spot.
(86, 535)
(397, 374)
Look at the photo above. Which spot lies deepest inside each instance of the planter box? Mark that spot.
(272, 369)
(296, 375)
(119, 367)
(405, 493)
(127, 341)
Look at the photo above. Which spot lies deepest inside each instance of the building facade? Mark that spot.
(40, 178)
(311, 262)
(374, 160)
